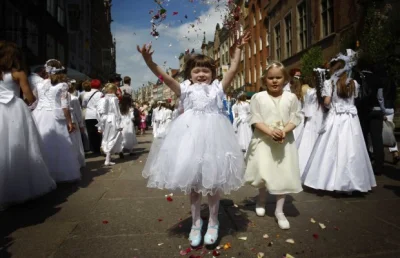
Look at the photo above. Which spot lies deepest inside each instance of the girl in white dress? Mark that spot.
(109, 117)
(272, 159)
(340, 161)
(314, 113)
(200, 154)
(53, 118)
(127, 123)
(241, 113)
(298, 88)
(77, 119)
(23, 171)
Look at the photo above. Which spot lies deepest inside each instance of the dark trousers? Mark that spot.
(372, 124)
(94, 135)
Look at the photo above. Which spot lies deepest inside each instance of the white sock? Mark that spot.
(213, 206)
(195, 204)
(280, 201)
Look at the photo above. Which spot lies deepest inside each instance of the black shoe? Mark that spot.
(121, 155)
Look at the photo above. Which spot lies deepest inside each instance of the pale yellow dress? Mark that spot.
(271, 164)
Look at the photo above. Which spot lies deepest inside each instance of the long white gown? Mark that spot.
(128, 130)
(23, 171)
(59, 152)
(110, 123)
(241, 124)
(76, 136)
(314, 114)
(340, 161)
(298, 131)
(200, 151)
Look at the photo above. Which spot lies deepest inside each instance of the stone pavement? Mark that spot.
(111, 213)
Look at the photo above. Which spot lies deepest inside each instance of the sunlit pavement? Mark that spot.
(111, 213)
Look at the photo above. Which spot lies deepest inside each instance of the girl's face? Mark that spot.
(201, 75)
(275, 80)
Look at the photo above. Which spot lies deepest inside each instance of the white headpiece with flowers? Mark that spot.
(350, 60)
(51, 69)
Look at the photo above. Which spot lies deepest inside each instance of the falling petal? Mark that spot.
(290, 241)
(105, 221)
(312, 220)
(160, 244)
(242, 238)
(322, 225)
(265, 236)
(315, 236)
(260, 255)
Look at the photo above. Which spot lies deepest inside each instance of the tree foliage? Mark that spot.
(310, 60)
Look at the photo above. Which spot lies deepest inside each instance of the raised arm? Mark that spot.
(160, 73)
(235, 61)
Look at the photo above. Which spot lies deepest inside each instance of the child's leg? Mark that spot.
(260, 204)
(108, 159)
(195, 232)
(211, 235)
(280, 216)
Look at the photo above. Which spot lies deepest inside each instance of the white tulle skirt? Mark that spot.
(59, 152)
(199, 152)
(23, 171)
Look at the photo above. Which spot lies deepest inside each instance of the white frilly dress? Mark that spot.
(340, 161)
(58, 150)
(76, 136)
(314, 115)
(23, 171)
(271, 164)
(128, 130)
(109, 117)
(241, 124)
(199, 151)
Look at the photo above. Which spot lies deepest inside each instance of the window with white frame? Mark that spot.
(255, 47)
(254, 19)
(260, 43)
(327, 17)
(288, 35)
(302, 25)
(255, 74)
(277, 31)
(51, 7)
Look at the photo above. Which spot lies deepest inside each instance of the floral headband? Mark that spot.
(51, 69)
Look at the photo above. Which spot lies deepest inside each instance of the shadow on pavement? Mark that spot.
(40, 209)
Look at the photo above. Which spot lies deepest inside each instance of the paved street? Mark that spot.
(111, 213)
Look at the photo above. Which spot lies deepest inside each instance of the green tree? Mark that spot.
(310, 60)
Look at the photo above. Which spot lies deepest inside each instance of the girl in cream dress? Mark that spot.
(272, 158)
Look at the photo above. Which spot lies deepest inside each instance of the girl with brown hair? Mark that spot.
(54, 122)
(340, 160)
(23, 171)
(199, 154)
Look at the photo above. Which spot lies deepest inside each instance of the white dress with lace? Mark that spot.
(110, 124)
(128, 130)
(23, 171)
(59, 153)
(76, 136)
(340, 161)
(200, 151)
(313, 117)
(241, 124)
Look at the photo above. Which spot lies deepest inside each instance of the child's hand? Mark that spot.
(277, 135)
(146, 52)
(243, 40)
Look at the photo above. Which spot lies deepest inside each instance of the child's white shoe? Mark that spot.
(260, 210)
(283, 223)
(109, 163)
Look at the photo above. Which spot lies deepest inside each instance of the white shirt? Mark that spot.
(126, 89)
(91, 106)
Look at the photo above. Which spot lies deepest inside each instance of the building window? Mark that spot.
(61, 54)
(51, 7)
(288, 35)
(327, 17)
(254, 19)
(50, 47)
(61, 16)
(255, 47)
(32, 37)
(277, 31)
(302, 25)
(255, 74)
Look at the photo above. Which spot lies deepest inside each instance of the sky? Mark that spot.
(132, 26)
